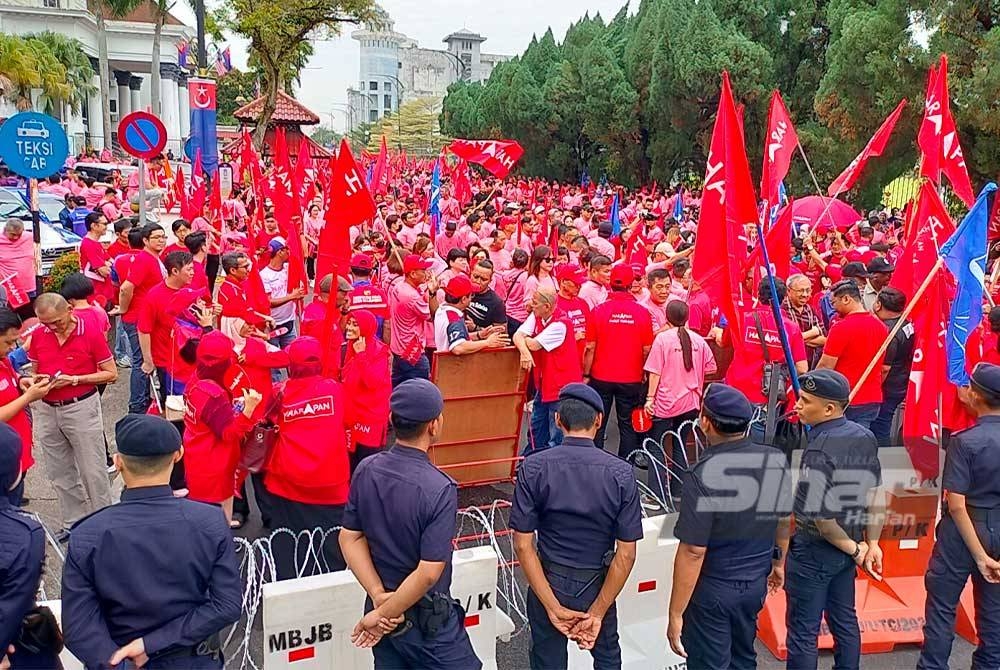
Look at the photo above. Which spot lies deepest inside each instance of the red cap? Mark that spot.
(413, 262)
(361, 261)
(622, 276)
(853, 256)
(215, 347)
(459, 286)
(834, 272)
(571, 273)
(304, 351)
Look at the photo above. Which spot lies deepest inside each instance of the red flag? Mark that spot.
(496, 156)
(876, 145)
(938, 138)
(635, 252)
(282, 193)
(304, 178)
(196, 201)
(380, 173)
(181, 195)
(778, 240)
(463, 187)
(930, 226)
(727, 205)
(16, 297)
(993, 229)
(348, 202)
(778, 150)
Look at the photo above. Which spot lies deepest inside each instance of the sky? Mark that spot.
(508, 26)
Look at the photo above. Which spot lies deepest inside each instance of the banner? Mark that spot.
(779, 147)
(348, 203)
(496, 156)
(201, 93)
(876, 145)
(941, 152)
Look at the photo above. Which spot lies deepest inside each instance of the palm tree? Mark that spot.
(79, 72)
(18, 70)
(161, 9)
(55, 89)
(115, 9)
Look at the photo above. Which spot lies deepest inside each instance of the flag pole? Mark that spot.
(812, 174)
(776, 312)
(918, 294)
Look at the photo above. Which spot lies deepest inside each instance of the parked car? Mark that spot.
(56, 240)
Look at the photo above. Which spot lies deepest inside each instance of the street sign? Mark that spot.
(225, 177)
(33, 145)
(142, 135)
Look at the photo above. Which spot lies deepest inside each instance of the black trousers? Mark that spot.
(212, 270)
(360, 453)
(625, 397)
(241, 504)
(302, 550)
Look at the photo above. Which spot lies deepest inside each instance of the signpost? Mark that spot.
(142, 135)
(225, 180)
(34, 146)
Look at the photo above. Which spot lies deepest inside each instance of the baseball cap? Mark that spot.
(539, 210)
(879, 264)
(146, 435)
(572, 273)
(413, 262)
(622, 276)
(277, 244)
(854, 269)
(304, 350)
(361, 261)
(663, 248)
(459, 286)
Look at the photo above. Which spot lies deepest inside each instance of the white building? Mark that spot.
(130, 54)
(395, 69)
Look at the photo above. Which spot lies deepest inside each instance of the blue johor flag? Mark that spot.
(435, 204)
(616, 222)
(678, 213)
(965, 255)
(201, 93)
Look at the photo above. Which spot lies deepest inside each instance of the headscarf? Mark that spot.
(367, 325)
(215, 356)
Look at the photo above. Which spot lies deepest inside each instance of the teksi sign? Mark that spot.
(33, 145)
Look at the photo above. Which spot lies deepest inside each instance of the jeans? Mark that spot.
(282, 341)
(138, 383)
(402, 370)
(882, 425)
(548, 645)
(122, 347)
(720, 623)
(542, 430)
(863, 415)
(666, 484)
(626, 396)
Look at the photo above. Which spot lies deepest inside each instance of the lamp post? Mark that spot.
(399, 122)
(459, 65)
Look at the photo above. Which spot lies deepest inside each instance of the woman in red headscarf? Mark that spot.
(367, 386)
(214, 425)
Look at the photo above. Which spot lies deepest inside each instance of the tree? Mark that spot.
(325, 136)
(276, 31)
(234, 90)
(18, 70)
(415, 128)
(161, 8)
(115, 9)
(29, 63)
(78, 73)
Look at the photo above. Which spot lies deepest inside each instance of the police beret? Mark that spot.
(725, 402)
(416, 400)
(146, 435)
(828, 384)
(986, 376)
(584, 394)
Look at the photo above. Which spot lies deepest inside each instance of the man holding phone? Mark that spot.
(67, 422)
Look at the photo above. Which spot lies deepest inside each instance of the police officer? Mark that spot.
(396, 538)
(730, 540)
(838, 521)
(22, 552)
(584, 504)
(968, 536)
(154, 578)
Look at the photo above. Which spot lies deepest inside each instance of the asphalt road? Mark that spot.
(511, 655)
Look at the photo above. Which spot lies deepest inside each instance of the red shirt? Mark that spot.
(145, 272)
(157, 319)
(699, 313)
(372, 298)
(200, 281)
(854, 340)
(117, 248)
(621, 327)
(92, 257)
(9, 392)
(578, 313)
(233, 298)
(746, 372)
(171, 249)
(81, 354)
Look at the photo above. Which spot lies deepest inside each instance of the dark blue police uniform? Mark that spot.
(972, 469)
(406, 509)
(155, 567)
(580, 500)
(819, 578)
(22, 552)
(738, 529)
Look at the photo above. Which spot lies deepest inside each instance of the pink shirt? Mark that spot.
(593, 293)
(18, 259)
(516, 300)
(500, 259)
(201, 225)
(410, 315)
(603, 247)
(531, 285)
(657, 312)
(679, 390)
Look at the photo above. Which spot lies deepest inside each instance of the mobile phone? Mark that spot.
(277, 333)
(55, 376)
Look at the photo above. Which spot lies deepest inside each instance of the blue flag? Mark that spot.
(678, 212)
(782, 201)
(368, 177)
(965, 255)
(202, 94)
(616, 222)
(585, 178)
(435, 205)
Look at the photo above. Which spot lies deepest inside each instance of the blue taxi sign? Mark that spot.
(33, 145)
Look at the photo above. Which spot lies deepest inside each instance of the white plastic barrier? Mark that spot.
(69, 661)
(308, 621)
(643, 603)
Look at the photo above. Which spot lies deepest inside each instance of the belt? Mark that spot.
(210, 646)
(70, 401)
(568, 572)
(983, 514)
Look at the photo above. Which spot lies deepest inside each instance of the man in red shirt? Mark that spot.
(412, 303)
(569, 302)
(181, 230)
(144, 272)
(854, 340)
(232, 294)
(314, 320)
(620, 334)
(67, 423)
(120, 244)
(94, 261)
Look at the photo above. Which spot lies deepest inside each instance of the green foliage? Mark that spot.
(635, 97)
(44, 71)
(415, 128)
(235, 90)
(325, 136)
(63, 266)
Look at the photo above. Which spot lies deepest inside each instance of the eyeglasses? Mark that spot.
(157, 236)
(549, 259)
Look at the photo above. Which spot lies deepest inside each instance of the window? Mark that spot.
(466, 44)
(387, 86)
(387, 100)
(373, 115)
(51, 4)
(373, 86)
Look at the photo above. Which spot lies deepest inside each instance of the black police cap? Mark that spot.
(416, 400)
(986, 376)
(854, 269)
(584, 394)
(724, 402)
(146, 435)
(828, 384)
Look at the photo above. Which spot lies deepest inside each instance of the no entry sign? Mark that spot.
(142, 135)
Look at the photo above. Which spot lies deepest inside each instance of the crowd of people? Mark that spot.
(296, 400)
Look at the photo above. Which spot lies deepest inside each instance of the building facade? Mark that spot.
(130, 55)
(394, 69)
